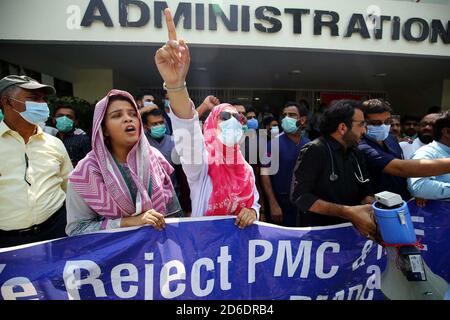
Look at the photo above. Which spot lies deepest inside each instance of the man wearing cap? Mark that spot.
(34, 166)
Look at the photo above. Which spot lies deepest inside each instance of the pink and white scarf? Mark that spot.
(97, 178)
(232, 177)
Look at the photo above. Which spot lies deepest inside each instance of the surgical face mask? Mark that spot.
(158, 131)
(289, 125)
(1, 116)
(64, 124)
(252, 124)
(148, 103)
(166, 103)
(231, 132)
(35, 112)
(378, 133)
(275, 130)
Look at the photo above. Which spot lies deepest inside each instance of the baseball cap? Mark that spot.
(24, 82)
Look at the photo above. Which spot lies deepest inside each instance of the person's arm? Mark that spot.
(66, 168)
(249, 215)
(368, 200)
(276, 213)
(360, 216)
(148, 109)
(417, 168)
(173, 61)
(429, 188)
(207, 105)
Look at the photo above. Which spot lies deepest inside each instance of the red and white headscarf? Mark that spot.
(97, 178)
(232, 177)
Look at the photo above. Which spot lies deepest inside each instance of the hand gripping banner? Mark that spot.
(211, 258)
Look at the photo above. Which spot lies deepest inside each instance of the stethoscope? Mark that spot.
(334, 176)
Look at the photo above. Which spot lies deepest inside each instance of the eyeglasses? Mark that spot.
(361, 124)
(378, 123)
(251, 117)
(225, 115)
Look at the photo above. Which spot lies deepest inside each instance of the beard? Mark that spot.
(350, 139)
(425, 138)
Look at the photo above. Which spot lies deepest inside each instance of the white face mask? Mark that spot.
(378, 133)
(148, 103)
(275, 130)
(231, 132)
(35, 112)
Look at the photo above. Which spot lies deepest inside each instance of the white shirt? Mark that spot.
(410, 148)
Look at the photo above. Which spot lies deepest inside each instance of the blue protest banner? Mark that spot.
(211, 258)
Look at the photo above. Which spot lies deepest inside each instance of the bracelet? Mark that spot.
(174, 89)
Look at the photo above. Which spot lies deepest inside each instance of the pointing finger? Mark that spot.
(170, 25)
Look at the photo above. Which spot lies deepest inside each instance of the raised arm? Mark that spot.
(173, 61)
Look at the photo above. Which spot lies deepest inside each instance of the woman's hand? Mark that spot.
(245, 217)
(151, 217)
(173, 58)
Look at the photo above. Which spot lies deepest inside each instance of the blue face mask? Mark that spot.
(1, 116)
(158, 131)
(252, 124)
(289, 125)
(378, 133)
(231, 132)
(35, 113)
(64, 124)
(275, 130)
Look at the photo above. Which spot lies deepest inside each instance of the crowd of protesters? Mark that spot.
(145, 160)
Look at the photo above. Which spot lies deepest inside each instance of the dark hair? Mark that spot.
(68, 106)
(434, 109)
(442, 122)
(251, 109)
(268, 120)
(409, 118)
(302, 110)
(375, 106)
(154, 113)
(305, 103)
(339, 111)
(120, 98)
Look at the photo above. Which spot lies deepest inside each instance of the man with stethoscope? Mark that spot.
(331, 184)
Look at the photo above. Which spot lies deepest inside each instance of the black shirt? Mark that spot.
(77, 146)
(311, 180)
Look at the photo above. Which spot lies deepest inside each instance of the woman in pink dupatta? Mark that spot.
(123, 181)
(222, 182)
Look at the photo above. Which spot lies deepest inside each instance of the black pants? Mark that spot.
(52, 228)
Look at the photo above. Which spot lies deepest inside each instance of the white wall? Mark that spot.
(60, 21)
(93, 84)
